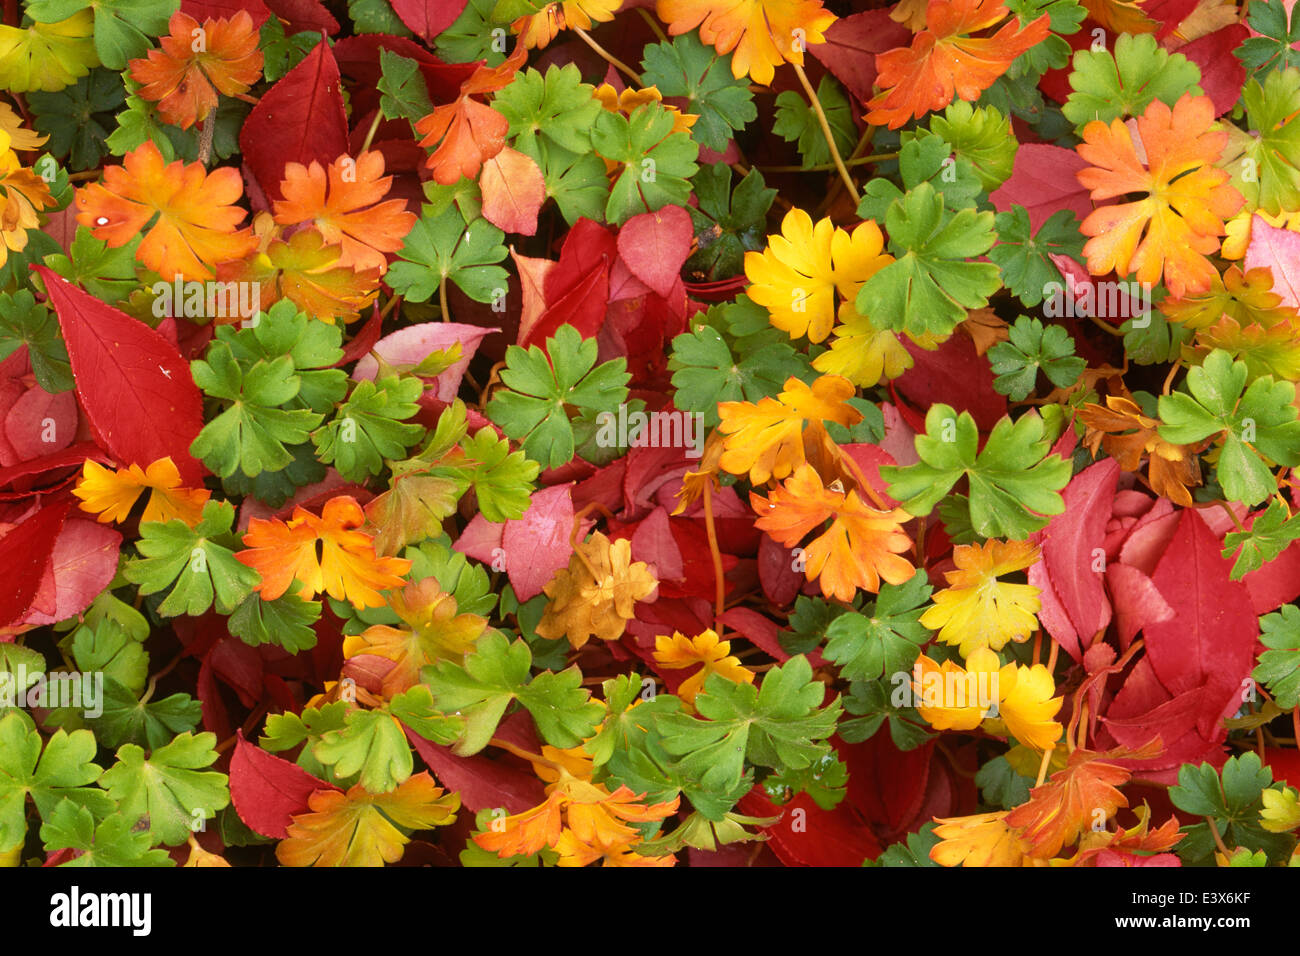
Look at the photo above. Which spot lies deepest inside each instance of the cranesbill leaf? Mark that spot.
(123, 28)
(63, 770)
(1013, 480)
(169, 786)
(113, 842)
(657, 163)
(1025, 257)
(687, 68)
(932, 283)
(369, 427)
(1268, 536)
(1031, 347)
(371, 745)
(1110, 86)
(555, 108)
(1279, 666)
(1273, 48)
(1234, 800)
(883, 639)
(442, 248)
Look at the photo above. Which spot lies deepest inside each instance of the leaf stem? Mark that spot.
(826, 131)
(370, 134)
(525, 754)
(206, 131)
(1218, 840)
(1042, 767)
(442, 299)
(653, 24)
(608, 57)
(720, 587)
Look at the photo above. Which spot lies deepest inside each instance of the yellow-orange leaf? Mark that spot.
(596, 595)
(861, 547)
(195, 219)
(361, 828)
(346, 205)
(434, 631)
(1246, 297)
(197, 62)
(111, 494)
(1177, 223)
(980, 840)
(539, 29)
(1125, 434)
(23, 195)
(945, 60)
(766, 440)
(760, 35)
(1078, 798)
(347, 569)
(680, 651)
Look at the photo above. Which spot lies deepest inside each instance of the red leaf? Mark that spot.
(268, 790)
(1278, 250)
(513, 192)
(1138, 603)
(304, 16)
(807, 835)
(427, 18)
(577, 288)
(215, 9)
(299, 120)
(132, 383)
(954, 374)
(655, 245)
(1042, 181)
(1222, 75)
(25, 557)
(483, 783)
(851, 47)
(82, 563)
(68, 457)
(535, 546)
(1067, 568)
(1210, 641)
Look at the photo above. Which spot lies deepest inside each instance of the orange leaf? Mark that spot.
(195, 219)
(1120, 16)
(1078, 798)
(762, 33)
(766, 440)
(861, 546)
(347, 569)
(513, 191)
(347, 210)
(361, 828)
(944, 59)
(1179, 220)
(184, 81)
(467, 133)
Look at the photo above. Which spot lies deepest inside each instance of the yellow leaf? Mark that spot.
(1281, 812)
(680, 651)
(952, 697)
(977, 610)
(361, 828)
(1027, 705)
(980, 840)
(762, 33)
(47, 56)
(111, 495)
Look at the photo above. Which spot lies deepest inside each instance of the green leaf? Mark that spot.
(105, 273)
(314, 346)
(288, 730)
(1112, 86)
(415, 709)
(1027, 270)
(251, 434)
(915, 852)
(170, 786)
(194, 562)
(1279, 666)
(542, 386)
(874, 705)
(79, 118)
(276, 487)
(113, 842)
(63, 770)
(404, 94)
(779, 724)
(556, 108)
(687, 68)
(1053, 53)
(1272, 49)
(285, 622)
(705, 372)
(281, 52)
(982, 136)
(1234, 798)
(1268, 537)
(23, 322)
(107, 648)
(1031, 348)
(1001, 785)
(885, 639)
(150, 724)
(502, 479)
(1274, 149)
(924, 158)
(657, 163)
(471, 37)
(797, 122)
(442, 248)
(825, 781)
(139, 123)
(932, 282)
(727, 225)
(376, 16)
(1013, 481)
(123, 28)
(495, 674)
(368, 428)
(1253, 429)
(370, 744)
(576, 181)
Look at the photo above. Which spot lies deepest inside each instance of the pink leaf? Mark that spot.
(413, 344)
(513, 192)
(1278, 250)
(655, 245)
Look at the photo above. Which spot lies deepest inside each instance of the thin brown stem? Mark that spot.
(720, 587)
(608, 57)
(370, 134)
(826, 131)
(653, 24)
